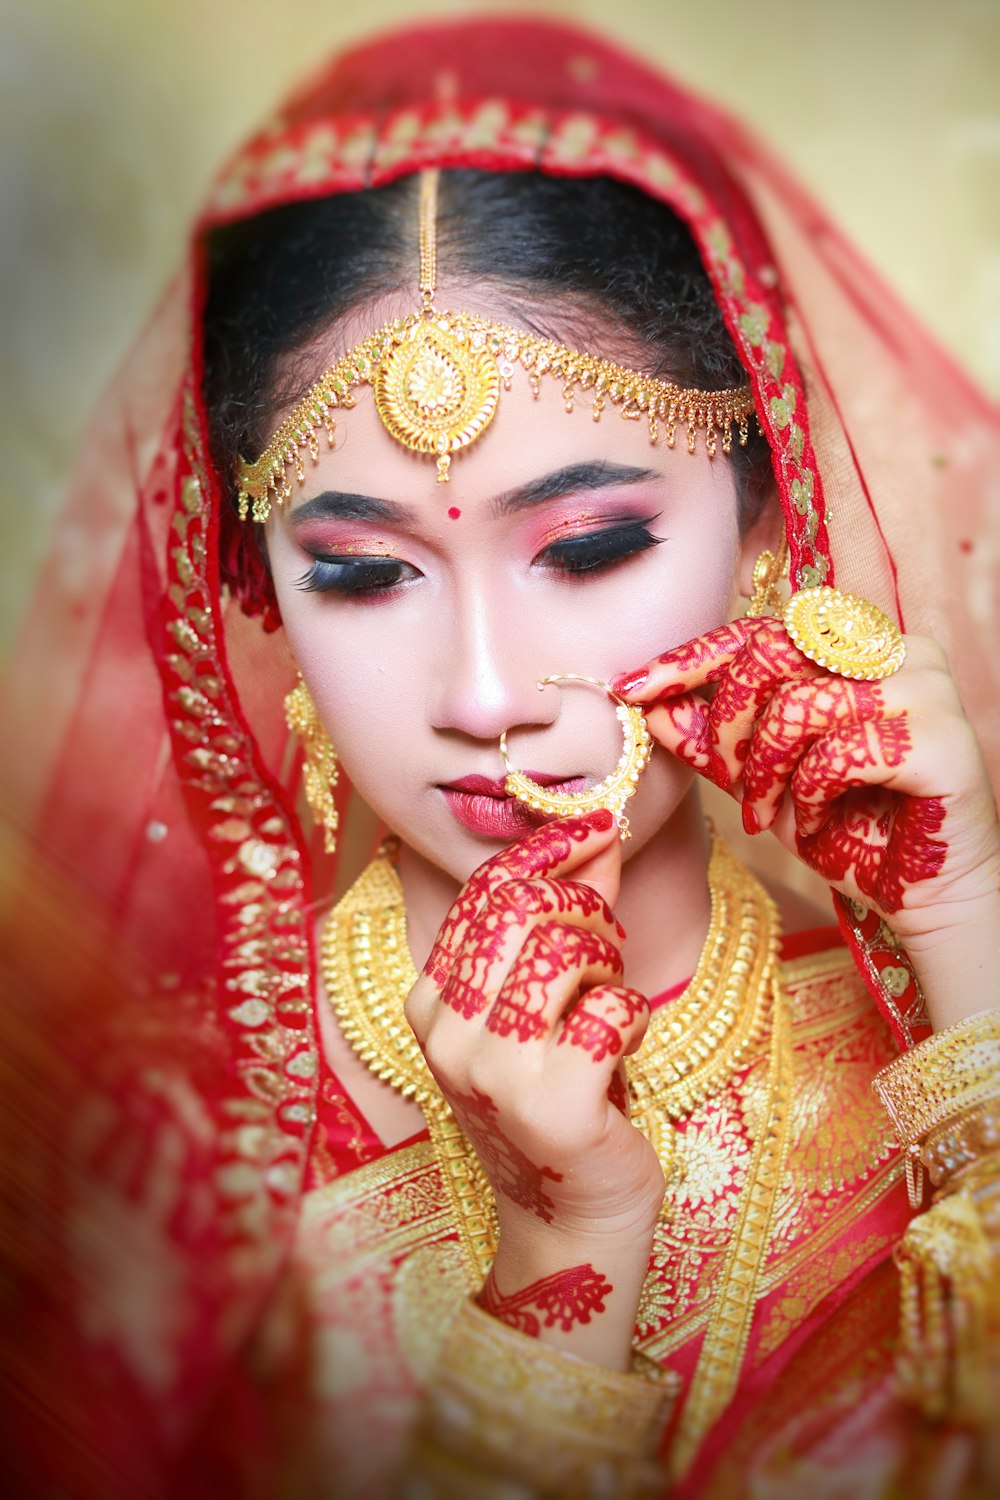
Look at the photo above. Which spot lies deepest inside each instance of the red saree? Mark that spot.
(241, 1341)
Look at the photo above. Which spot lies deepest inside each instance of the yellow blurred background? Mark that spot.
(115, 114)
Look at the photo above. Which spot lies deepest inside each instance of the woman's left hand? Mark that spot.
(880, 787)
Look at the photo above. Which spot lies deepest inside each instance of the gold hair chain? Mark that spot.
(429, 180)
(437, 376)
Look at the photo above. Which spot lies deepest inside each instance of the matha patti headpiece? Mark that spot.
(437, 378)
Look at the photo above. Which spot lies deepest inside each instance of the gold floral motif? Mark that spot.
(814, 1280)
(844, 634)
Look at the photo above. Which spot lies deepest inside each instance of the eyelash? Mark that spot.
(593, 553)
(597, 552)
(353, 576)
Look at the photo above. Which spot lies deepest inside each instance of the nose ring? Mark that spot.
(616, 788)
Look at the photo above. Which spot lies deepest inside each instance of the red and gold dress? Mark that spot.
(244, 1292)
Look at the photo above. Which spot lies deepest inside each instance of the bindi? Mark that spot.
(454, 513)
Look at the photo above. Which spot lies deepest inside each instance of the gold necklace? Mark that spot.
(692, 1046)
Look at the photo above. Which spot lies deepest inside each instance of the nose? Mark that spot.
(488, 664)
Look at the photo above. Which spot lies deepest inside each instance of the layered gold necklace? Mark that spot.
(693, 1047)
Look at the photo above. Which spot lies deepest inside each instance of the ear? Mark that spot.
(766, 530)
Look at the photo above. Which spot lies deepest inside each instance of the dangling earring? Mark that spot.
(320, 771)
(768, 572)
(616, 788)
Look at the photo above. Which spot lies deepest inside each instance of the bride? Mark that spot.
(533, 450)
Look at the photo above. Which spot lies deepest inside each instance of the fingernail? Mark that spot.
(718, 771)
(600, 820)
(629, 681)
(751, 822)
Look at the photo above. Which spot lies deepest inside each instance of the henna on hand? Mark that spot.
(565, 1298)
(784, 727)
(534, 992)
(512, 907)
(509, 1169)
(538, 854)
(608, 1020)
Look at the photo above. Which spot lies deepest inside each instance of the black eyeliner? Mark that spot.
(596, 549)
(350, 575)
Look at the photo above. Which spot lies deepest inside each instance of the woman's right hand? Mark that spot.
(524, 1023)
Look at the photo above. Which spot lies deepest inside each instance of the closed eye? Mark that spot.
(598, 551)
(355, 577)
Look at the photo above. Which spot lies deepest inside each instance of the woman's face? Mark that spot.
(559, 545)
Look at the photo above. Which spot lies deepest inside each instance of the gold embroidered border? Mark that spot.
(718, 1369)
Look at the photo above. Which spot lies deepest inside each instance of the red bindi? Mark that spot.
(454, 512)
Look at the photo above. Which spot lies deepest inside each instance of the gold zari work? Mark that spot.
(943, 1098)
(511, 1407)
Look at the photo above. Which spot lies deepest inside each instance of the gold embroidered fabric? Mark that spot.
(389, 1272)
(505, 1409)
(943, 1098)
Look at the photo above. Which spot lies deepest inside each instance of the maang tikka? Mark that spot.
(437, 378)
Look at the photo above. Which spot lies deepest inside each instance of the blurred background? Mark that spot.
(114, 114)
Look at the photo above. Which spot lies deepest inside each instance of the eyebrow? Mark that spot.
(347, 507)
(597, 474)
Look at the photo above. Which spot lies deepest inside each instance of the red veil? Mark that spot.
(154, 768)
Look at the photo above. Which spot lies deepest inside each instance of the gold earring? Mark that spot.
(611, 793)
(768, 571)
(320, 771)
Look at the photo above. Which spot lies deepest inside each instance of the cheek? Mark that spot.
(362, 694)
(688, 589)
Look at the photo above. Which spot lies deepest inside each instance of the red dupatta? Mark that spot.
(158, 771)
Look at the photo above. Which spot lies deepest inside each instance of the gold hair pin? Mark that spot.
(437, 378)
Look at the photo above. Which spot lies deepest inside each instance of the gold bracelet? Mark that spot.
(503, 1410)
(941, 1083)
(948, 1152)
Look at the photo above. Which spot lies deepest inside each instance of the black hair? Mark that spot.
(568, 256)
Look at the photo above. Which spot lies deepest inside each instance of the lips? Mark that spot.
(483, 806)
(482, 786)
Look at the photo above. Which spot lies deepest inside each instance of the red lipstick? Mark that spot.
(483, 806)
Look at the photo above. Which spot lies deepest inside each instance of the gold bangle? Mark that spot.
(507, 1407)
(948, 1151)
(945, 1080)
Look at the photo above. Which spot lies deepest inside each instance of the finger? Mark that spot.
(767, 661)
(511, 912)
(607, 1021)
(691, 665)
(554, 964)
(854, 755)
(557, 848)
(684, 729)
(795, 717)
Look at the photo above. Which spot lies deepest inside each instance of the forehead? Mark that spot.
(529, 438)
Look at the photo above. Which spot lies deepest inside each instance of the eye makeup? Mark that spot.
(355, 576)
(589, 545)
